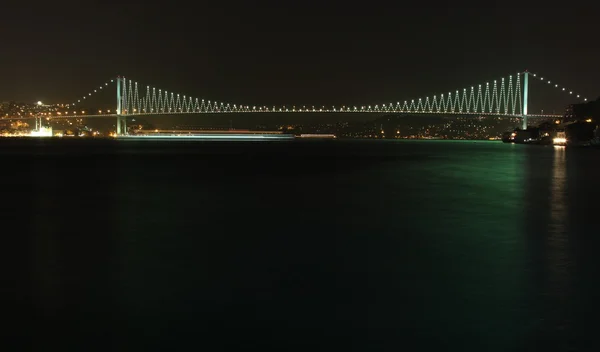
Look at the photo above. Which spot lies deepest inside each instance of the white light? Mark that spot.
(560, 140)
(39, 103)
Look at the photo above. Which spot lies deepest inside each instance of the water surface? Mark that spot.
(331, 245)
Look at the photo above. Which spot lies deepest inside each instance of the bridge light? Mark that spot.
(570, 92)
(563, 89)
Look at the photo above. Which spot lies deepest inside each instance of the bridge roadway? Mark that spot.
(281, 112)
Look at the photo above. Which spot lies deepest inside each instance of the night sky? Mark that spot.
(280, 52)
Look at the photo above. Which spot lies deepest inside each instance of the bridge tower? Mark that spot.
(525, 96)
(121, 118)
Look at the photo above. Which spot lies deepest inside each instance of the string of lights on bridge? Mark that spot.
(502, 97)
(91, 93)
(555, 85)
(498, 97)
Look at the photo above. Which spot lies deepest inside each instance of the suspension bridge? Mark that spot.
(505, 96)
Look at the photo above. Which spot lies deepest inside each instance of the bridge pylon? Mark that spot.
(121, 125)
(525, 97)
(121, 119)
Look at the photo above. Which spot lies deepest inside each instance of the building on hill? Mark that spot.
(584, 111)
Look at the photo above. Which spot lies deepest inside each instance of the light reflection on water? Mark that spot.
(558, 236)
(560, 264)
(558, 191)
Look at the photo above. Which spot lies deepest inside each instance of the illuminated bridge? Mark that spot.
(505, 96)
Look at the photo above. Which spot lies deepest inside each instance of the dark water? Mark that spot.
(366, 246)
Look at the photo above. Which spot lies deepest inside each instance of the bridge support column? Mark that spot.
(525, 97)
(120, 129)
(121, 125)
